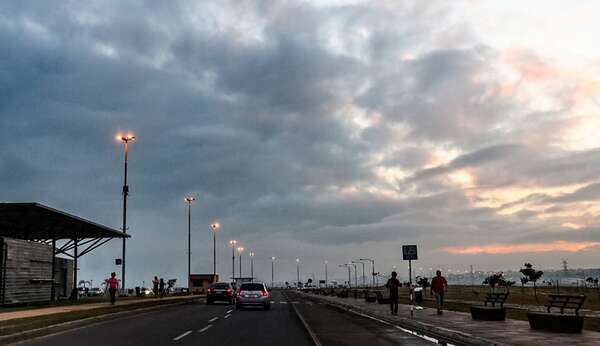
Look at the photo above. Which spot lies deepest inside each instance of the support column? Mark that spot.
(53, 287)
(75, 291)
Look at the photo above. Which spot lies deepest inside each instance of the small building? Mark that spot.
(199, 282)
(31, 237)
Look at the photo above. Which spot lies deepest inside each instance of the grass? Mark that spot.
(30, 323)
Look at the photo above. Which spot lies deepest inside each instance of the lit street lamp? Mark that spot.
(189, 201)
(232, 243)
(372, 267)
(126, 138)
(272, 271)
(215, 227)
(251, 254)
(240, 250)
(298, 272)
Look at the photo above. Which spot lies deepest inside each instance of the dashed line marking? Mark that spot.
(213, 319)
(205, 328)
(272, 302)
(282, 302)
(182, 335)
(226, 317)
(229, 311)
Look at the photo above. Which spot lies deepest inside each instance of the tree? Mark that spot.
(497, 280)
(530, 274)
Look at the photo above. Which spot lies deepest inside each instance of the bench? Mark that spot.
(559, 322)
(493, 308)
(369, 298)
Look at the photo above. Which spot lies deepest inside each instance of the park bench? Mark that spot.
(493, 308)
(558, 322)
(369, 298)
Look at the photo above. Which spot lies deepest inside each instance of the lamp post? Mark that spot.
(189, 201)
(349, 275)
(326, 272)
(232, 243)
(126, 139)
(355, 276)
(298, 272)
(240, 250)
(251, 254)
(372, 267)
(272, 271)
(363, 272)
(215, 227)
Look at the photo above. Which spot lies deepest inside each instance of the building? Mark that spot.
(199, 282)
(31, 237)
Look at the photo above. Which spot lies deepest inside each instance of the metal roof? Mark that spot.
(35, 221)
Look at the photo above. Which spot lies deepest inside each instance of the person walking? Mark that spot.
(155, 282)
(392, 284)
(161, 287)
(113, 285)
(439, 286)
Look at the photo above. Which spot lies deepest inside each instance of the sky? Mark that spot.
(318, 130)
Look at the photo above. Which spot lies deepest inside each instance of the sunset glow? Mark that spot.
(496, 249)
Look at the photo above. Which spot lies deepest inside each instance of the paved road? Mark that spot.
(197, 323)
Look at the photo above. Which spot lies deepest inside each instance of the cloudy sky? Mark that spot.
(323, 130)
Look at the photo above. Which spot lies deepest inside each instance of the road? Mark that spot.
(197, 323)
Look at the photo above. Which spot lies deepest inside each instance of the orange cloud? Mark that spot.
(530, 66)
(494, 249)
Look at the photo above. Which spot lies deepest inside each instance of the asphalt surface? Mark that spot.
(221, 324)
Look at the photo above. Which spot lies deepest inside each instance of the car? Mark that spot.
(253, 294)
(146, 291)
(220, 291)
(95, 292)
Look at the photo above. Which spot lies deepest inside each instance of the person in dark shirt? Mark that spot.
(439, 285)
(393, 284)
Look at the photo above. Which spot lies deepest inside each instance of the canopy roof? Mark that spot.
(34, 221)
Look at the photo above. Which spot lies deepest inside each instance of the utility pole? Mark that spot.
(272, 271)
(232, 243)
(126, 139)
(363, 272)
(372, 268)
(189, 201)
(252, 266)
(326, 272)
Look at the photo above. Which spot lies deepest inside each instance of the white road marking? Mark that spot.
(226, 317)
(205, 328)
(272, 302)
(182, 335)
(229, 311)
(282, 302)
(213, 319)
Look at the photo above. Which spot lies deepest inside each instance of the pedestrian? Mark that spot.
(113, 285)
(393, 284)
(439, 286)
(155, 282)
(161, 287)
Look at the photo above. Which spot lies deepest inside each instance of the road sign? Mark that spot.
(409, 252)
(117, 261)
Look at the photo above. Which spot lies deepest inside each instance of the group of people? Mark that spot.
(112, 284)
(439, 285)
(158, 287)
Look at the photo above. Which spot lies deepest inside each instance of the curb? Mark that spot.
(72, 325)
(442, 334)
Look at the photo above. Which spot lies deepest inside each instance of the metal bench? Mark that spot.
(559, 322)
(493, 308)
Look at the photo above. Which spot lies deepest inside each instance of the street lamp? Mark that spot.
(372, 267)
(215, 227)
(272, 271)
(189, 201)
(240, 250)
(232, 243)
(126, 138)
(298, 272)
(251, 254)
(363, 274)
(355, 276)
(349, 275)
(326, 272)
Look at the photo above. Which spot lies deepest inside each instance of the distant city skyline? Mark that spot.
(319, 130)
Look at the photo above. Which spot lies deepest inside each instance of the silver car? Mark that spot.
(253, 294)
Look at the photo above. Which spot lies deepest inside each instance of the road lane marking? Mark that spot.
(205, 328)
(182, 335)
(282, 302)
(272, 302)
(213, 319)
(226, 317)
(310, 331)
(229, 311)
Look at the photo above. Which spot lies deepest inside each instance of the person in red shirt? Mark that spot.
(439, 285)
(113, 285)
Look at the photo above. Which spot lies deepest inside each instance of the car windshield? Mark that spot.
(252, 287)
(220, 286)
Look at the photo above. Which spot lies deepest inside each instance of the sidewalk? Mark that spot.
(511, 332)
(6, 316)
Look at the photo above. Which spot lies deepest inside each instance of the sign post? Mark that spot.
(409, 253)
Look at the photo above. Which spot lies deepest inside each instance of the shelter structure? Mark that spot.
(31, 232)
(199, 282)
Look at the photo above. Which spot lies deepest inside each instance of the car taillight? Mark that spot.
(239, 292)
(210, 290)
(229, 290)
(264, 293)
